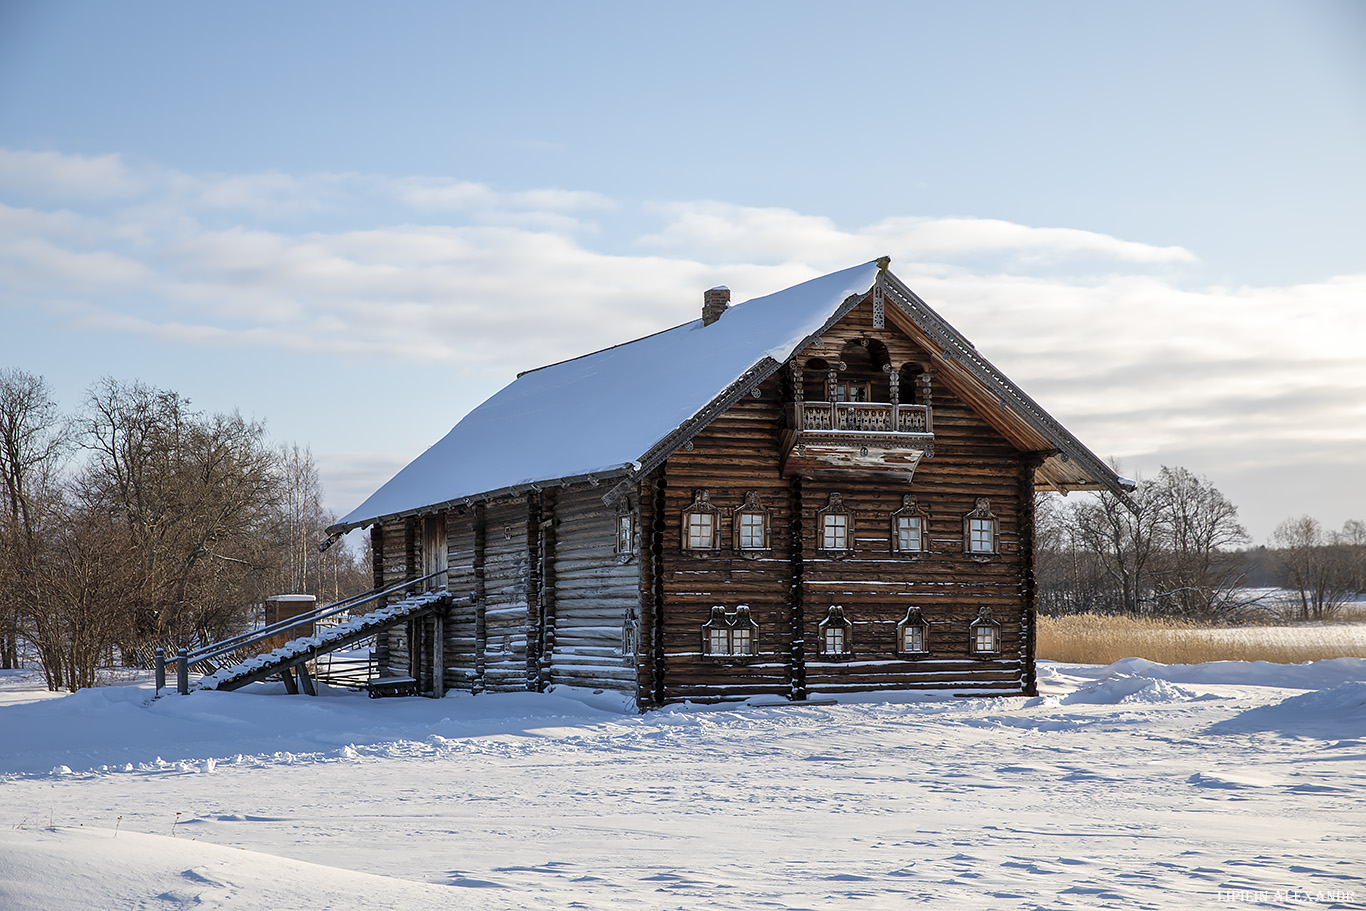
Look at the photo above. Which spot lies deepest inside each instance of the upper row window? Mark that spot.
(980, 527)
(752, 527)
(751, 522)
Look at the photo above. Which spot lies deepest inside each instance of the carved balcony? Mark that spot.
(856, 438)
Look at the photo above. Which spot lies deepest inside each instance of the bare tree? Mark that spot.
(1199, 528)
(302, 521)
(1123, 537)
(191, 494)
(33, 440)
(1352, 539)
(1315, 567)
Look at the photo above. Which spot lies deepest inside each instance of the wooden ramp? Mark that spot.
(290, 661)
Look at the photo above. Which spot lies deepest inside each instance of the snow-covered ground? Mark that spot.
(1134, 786)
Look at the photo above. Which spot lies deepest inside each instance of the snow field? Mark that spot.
(1132, 786)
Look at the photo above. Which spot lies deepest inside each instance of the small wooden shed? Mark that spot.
(823, 490)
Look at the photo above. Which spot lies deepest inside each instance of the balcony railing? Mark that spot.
(863, 417)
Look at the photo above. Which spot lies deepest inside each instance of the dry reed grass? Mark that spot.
(1092, 639)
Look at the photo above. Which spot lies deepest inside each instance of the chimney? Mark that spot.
(714, 303)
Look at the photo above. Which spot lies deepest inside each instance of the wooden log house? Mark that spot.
(819, 491)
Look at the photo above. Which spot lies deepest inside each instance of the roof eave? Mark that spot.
(1083, 468)
(593, 478)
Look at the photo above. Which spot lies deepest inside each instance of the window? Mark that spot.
(752, 524)
(908, 527)
(630, 634)
(700, 521)
(435, 548)
(834, 633)
(849, 392)
(730, 636)
(835, 532)
(984, 634)
(835, 527)
(912, 633)
(980, 531)
(626, 536)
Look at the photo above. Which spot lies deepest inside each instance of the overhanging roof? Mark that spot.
(623, 410)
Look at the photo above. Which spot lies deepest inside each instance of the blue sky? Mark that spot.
(1150, 215)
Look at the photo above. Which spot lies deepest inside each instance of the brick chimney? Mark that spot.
(714, 303)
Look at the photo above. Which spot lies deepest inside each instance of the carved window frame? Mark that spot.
(730, 638)
(744, 514)
(982, 532)
(628, 538)
(701, 506)
(833, 634)
(984, 635)
(835, 508)
(630, 635)
(912, 626)
(910, 510)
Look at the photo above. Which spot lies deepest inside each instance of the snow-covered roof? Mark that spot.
(601, 414)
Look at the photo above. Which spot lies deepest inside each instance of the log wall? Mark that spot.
(542, 597)
(596, 595)
(790, 589)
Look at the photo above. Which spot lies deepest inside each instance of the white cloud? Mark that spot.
(57, 176)
(1135, 363)
(732, 233)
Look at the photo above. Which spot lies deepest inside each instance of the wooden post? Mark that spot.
(535, 623)
(161, 670)
(797, 653)
(481, 635)
(547, 558)
(1029, 590)
(377, 542)
(287, 675)
(182, 672)
(657, 681)
(439, 652)
(306, 680)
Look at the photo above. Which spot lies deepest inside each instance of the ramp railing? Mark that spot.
(244, 642)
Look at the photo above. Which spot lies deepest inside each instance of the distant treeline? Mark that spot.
(1174, 548)
(137, 521)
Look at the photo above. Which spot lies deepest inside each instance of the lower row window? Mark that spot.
(730, 635)
(735, 634)
(835, 633)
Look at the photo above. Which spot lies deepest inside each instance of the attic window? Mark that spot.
(980, 531)
(835, 527)
(908, 527)
(752, 523)
(834, 633)
(984, 634)
(730, 636)
(913, 633)
(700, 522)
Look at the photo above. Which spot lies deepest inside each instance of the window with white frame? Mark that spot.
(700, 523)
(984, 634)
(835, 527)
(752, 526)
(981, 530)
(913, 633)
(908, 527)
(834, 632)
(730, 635)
